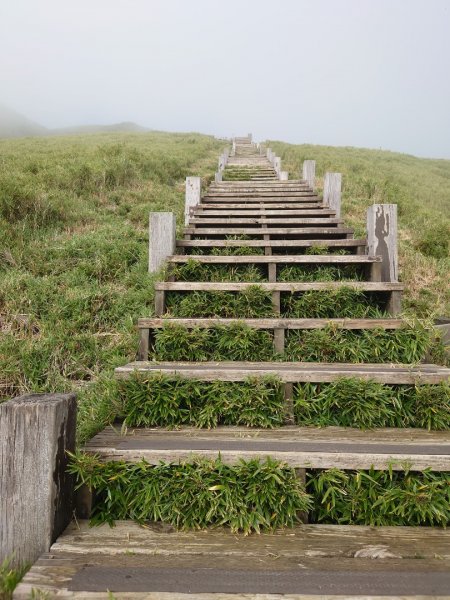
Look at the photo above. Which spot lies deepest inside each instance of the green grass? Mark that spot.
(168, 400)
(9, 578)
(380, 497)
(333, 303)
(352, 402)
(251, 496)
(73, 255)
(420, 187)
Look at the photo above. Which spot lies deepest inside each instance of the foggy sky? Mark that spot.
(371, 73)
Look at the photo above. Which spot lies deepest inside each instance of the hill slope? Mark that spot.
(73, 244)
(13, 124)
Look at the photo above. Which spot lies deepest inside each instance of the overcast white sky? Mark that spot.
(372, 73)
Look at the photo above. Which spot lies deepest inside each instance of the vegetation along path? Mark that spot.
(277, 392)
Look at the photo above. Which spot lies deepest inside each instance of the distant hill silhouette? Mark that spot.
(13, 124)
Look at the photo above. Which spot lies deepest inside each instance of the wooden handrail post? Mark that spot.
(309, 173)
(332, 192)
(36, 491)
(162, 239)
(192, 196)
(284, 175)
(277, 165)
(382, 238)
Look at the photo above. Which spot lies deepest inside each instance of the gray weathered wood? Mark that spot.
(382, 238)
(332, 192)
(277, 165)
(283, 175)
(36, 492)
(192, 196)
(309, 173)
(162, 239)
(218, 176)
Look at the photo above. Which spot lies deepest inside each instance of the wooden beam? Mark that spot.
(192, 196)
(162, 239)
(382, 238)
(36, 491)
(332, 192)
(309, 173)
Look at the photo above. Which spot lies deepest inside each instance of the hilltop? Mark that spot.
(73, 244)
(16, 125)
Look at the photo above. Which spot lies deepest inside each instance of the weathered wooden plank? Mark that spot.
(330, 243)
(231, 286)
(332, 192)
(36, 431)
(162, 239)
(309, 173)
(212, 210)
(306, 259)
(293, 372)
(316, 452)
(382, 238)
(192, 196)
(311, 230)
(152, 322)
(241, 220)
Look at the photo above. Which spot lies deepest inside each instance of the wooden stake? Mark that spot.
(36, 491)
(382, 238)
(162, 239)
(192, 196)
(332, 192)
(309, 173)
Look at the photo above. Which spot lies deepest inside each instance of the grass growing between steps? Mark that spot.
(352, 402)
(9, 578)
(321, 273)
(223, 342)
(251, 302)
(379, 497)
(169, 400)
(239, 342)
(196, 271)
(248, 497)
(257, 495)
(333, 303)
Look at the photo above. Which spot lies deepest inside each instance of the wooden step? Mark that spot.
(321, 562)
(261, 195)
(211, 210)
(291, 372)
(293, 221)
(355, 244)
(299, 447)
(308, 231)
(289, 259)
(231, 286)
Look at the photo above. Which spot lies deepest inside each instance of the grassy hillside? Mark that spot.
(73, 254)
(420, 187)
(73, 245)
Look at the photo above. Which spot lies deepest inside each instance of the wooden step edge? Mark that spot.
(396, 374)
(281, 323)
(362, 452)
(364, 286)
(268, 230)
(299, 259)
(345, 243)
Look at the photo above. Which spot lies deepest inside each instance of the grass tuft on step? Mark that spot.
(353, 402)
(251, 496)
(170, 400)
(380, 498)
(344, 302)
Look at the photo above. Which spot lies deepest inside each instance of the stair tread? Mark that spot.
(299, 447)
(365, 286)
(346, 243)
(276, 323)
(305, 562)
(277, 258)
(291, 372)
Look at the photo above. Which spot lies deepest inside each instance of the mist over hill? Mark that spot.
(15, 125)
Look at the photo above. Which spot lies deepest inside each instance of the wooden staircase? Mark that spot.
(279, 222)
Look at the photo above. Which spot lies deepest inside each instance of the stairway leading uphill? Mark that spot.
(265, 262)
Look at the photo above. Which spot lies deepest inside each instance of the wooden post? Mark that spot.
(36, 492)
(382, 238)
(309, 172)
(233, 150)
(277, 165)
(162, 239)
(283, 175)
(222, 162)
(217, 177)
(192, 196)
(332, 192)
(250, 137)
